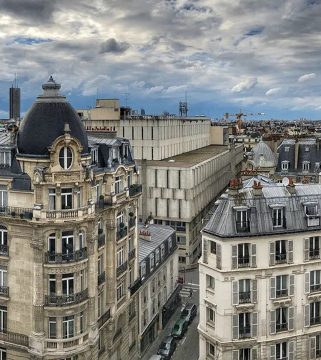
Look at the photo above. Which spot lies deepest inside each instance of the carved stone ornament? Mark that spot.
(38, 175)
(68, 269)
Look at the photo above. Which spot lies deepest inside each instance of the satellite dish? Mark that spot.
(285, 181)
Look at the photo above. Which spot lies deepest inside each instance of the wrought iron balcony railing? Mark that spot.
(63, 300)
(132, 254)
(121, 268)
(78, 255)
(101, 278)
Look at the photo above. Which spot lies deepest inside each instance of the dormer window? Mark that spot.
(94, 155)
(143, 270)
(311, 209)
(242, 220)
(287, 148)
(5, 158)
(285, 165)
(277, 217)
(306, 165)
(312, 214)
(65, 157)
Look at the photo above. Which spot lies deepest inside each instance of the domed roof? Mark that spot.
(45, 121)
(263, 156)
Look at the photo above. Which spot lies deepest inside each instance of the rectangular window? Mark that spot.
(315, 313)
(152, 261)
(244, 325)
(157, 256)
(67, 246)
(210, 282)
(314, 247)
(52, 199)
(119, 184)
(52, 284)
(277, 217)
(120, 291)
(3, 354)
(68, 326)
(3, 277)
(306, 166)
(280, 251)
(100, 264)
(315, 280)
(281, 351)
(3, 318)
(245, 354)
(66, 199)
(67, 284)
(285, 165)
(281, 286)
(244, 291)
(210, 349)
(243, 251)
(120, 256)
(52, 328)
(3, 196)
(213, 247)
(281, 319)
(242, 221)
(210, 315)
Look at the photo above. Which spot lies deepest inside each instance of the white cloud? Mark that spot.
(306, 77)
(244, 85)
(273, 91)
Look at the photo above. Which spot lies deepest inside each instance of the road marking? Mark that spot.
(183, 340)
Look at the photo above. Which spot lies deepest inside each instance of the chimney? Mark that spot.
(144, 234)
(257, 188)
(234, 186)
(291, 187)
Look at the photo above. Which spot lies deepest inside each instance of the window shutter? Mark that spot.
(291, 350)
(234, 256)
(219, 256)
(205, 246)
(235, 355)
(307, 315)
(254, 353)
(313, 347)
(306, 249)
(235, 292)
(254, 325)
(272, 253)
(235, 327)
(272, 322)
(253, 255)
(272, 288)
(272, 352)
(290, 251)
(307, 283)
(291, 287)
(254, 291)
(291, 318)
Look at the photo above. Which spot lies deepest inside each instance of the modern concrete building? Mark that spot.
(68, 244)
(260, 286)
(159, 290)
(181, 171)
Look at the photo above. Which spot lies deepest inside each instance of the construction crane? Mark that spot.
(239, 118)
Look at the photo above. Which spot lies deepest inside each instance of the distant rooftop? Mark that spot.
(190, 158)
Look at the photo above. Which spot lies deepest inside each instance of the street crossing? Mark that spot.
(188, 289)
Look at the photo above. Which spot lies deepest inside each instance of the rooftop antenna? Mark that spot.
(126, 98)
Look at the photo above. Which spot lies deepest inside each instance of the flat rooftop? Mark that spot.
(190, 158)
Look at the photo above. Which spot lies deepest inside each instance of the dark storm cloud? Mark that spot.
(113, 46)
(35, 10)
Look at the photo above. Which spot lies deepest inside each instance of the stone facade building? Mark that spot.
(260, 277)
(159, 291)
(68, 244)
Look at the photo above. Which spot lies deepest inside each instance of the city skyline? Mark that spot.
(255, 56)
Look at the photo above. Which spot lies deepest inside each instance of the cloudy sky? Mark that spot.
(226, 55)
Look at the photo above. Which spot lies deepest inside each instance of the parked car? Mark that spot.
(156, 357)
(167, 347)
(189, 312)
(179, 328)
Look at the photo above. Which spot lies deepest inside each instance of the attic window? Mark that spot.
(311, 209)
(94, 156)
(285, 165)
(287, 148)
(307, 149)
(5, 158)
(65, 157)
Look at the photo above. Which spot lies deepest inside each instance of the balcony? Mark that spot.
(315, 320)
(280, 258)
(243, 227)
(121, 269)
(245, 332)
(244, 297)
(132, 222)
(61, 344)
(135, 189)
(78, 255)
(101, 240)
(135, 286)
(281, 326)
(4, 291)
(14, 338)
(67, 214)
(315, 288)
(63, 300)
(132, 254)
(4, 250)
(101, 278)
(122, 232)
(314, 254)
(105, 317)
(22, 213)
(281, 293)
(243, 262)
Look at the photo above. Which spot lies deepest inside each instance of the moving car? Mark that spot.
(179, 328)
(167, 347)
(189, 312)
(156, 357)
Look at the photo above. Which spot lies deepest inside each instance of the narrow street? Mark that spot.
(187, 347)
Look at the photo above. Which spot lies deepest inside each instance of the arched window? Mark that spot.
(65, 157)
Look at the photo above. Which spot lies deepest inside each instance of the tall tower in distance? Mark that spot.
(14, 99)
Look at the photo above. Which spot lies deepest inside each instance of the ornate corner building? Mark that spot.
(68, 238)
